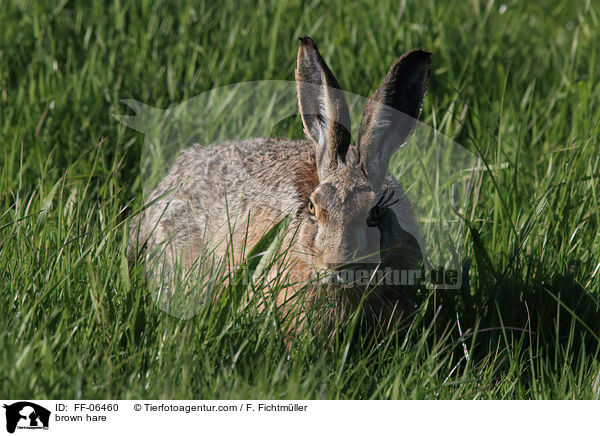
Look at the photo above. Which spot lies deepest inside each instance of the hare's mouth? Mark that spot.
(332, 277)
(327, 277)
(336, 278)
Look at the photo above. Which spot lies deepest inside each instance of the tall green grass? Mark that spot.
(514, 82)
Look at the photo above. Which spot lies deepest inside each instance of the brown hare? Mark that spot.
(344, 204)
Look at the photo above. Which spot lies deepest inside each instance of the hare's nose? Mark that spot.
(339, 254)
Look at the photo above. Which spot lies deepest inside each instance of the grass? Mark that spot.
(515, 83)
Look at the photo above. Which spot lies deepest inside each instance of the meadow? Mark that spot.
(516, 83)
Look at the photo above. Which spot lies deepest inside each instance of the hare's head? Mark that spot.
(350, 177)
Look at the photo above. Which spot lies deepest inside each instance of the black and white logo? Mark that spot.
(26, 415)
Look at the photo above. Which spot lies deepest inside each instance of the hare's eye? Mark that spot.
(311, 207)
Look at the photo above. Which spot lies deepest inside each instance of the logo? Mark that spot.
(26, 415)
(426, 155)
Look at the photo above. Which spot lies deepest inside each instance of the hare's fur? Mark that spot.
(224, 198)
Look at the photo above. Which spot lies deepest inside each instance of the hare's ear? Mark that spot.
(391, 114)
(323, 107)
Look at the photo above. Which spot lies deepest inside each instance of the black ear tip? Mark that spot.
(415, 61)
(417, 55)
(307, 40)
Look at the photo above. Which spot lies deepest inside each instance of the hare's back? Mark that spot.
(263, 171)
(244, 184)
